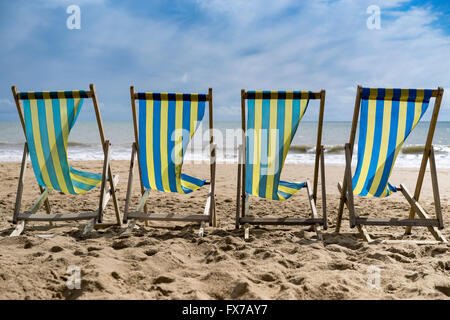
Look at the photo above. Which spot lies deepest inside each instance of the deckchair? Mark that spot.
(387, 118)
(47, 119)
(163, 128)
(272, 121)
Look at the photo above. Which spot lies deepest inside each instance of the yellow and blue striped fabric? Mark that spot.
(49, 117)
(272, 120)
(167, 122)
(387, 118)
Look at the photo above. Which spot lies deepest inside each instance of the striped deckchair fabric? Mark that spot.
(167, 122)
(49, 117)
(273, 118)
(387, 118)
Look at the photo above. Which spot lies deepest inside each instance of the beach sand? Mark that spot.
(168, 260)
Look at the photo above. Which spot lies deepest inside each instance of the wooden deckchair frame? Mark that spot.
(141, 213)
(346, 188)
(95, 217)
(242, 198)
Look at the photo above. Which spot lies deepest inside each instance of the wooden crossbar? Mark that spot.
(168, 217)
(280, 221)
(317, 95)
(89, 94)
(397, 222)
(314, 95)
(108, 193)
(57, 216)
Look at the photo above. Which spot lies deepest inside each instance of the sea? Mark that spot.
(84, 143)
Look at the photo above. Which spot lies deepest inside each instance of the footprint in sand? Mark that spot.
(122, 244)
(163, 279)
(78, 253)
(150, 252)
(240, 289)
(268, 277)
(443, 289)
(438, 251)
(115, 275)
(94, 249)
(56, 249)
(226, 247)
(444, 265)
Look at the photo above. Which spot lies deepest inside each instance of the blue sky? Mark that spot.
(190, 45)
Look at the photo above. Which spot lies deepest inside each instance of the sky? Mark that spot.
(191, 45)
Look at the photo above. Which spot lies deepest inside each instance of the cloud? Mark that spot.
(6, 102)
(184, 78)
(65, 3)
(7, 108)
(228, 45)
(228, 111)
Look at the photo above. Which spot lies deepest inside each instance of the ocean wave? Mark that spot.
(79, 144)
(410, 156)
(415, 149)
(302, 149)
(335, 149)
(340, 149)
(418, 149)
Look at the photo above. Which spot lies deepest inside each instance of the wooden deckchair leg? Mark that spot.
(340, 213)
(105, 151)
(347, 196)
(415, 205)
(342, 201)
(136, 142)
(103, 185)
(426, 152)
(201, 231)
(36, 206)
(46, 204)
(207, 211)
(362, 229)
(19, 194)
(351, 143)
(434, 182)
(212, 209)
(114, 196)
(238, 196)
(319, 147)
(314, 214)
(140, 207)
(348, 178)
(131, 225)
(21, 224)
(246, 210)
(324, 191)
(89, 227)
(246, 231)
(19, 229)
(364, 233)
(130, 183)
(92, 223)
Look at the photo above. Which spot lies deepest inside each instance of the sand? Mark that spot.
(169, 261)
